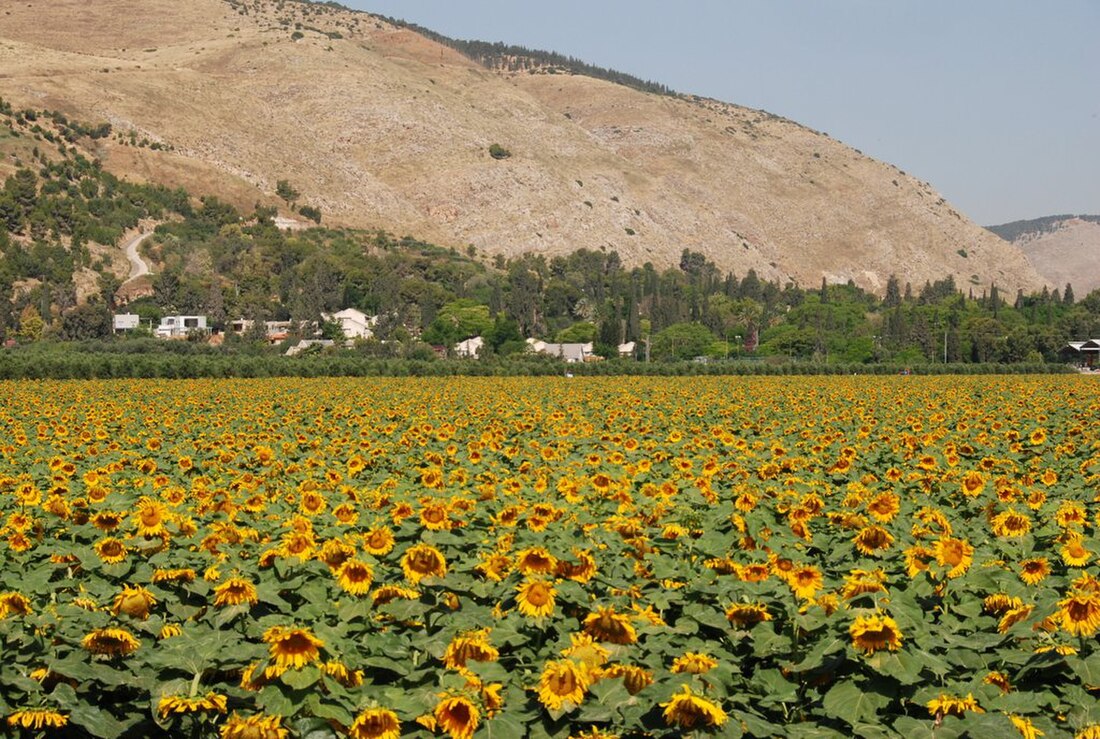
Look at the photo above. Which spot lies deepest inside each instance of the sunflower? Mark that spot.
(375, 723)
(134, 602)
(434, 517)
(209, 703)
(1034, 571)
(756, 572)
(805, 581)
(695, 663)
(107, 520)
(386, 593)
(112, 642)
(150, 516)
(563, 680)
(1014, 616)
(535, 561)
(875, 632)
(998, 679)
(256, 726)
(346, 514)
(169, 630)
(973, 483)
(457, 715)
(491, 698)
(355, 577)
(292, 648)
(635, 679)
(535, 598)
(1074, 553)
(494, 567)
(581, 572)
(1010, 524)
(176, 575)
(340, 672)
(335, 552)
(687, 710)
(378, 541)
(1079, 613)
(37, 719)
(746, 615)
(871, 539)
(884, 507)
(234, 592)
(606, 625)
(16, 603)
(423, 560)
(999, 603)
(954, 554)
(473, 645)
(1092, 731)
(586, 650)
(1023, 725)
(110, 550)
(300, 544)
(950, 705)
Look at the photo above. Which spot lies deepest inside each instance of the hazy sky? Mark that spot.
(995, 102)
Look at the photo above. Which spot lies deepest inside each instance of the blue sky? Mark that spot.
(995, 102)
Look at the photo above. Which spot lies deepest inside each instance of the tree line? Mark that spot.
(211, 258)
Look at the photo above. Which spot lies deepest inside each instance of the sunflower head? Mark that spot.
(872, 633)
(606, 625)
(375, 723)
(687, 710)
(292, 648)
(457, 715)
(134, 601)
(423, 560)
(561, 681)
(535, 598)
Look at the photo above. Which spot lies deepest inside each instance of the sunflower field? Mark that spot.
(553, 557)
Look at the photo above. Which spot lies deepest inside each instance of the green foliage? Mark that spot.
(579, 333)
(285, 191)
(496, 151)
(458, 320)
(311, 213)
(682, 341)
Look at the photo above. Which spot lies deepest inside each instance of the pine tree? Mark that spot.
(893, 292)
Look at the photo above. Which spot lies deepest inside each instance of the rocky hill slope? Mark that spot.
(381, 127)
(1063, 249)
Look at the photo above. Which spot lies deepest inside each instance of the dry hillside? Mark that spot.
(1063, 249)
(381, 127)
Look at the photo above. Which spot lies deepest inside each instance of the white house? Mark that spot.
(174, 327)
(627, 349)
(469, 347)
(125, 322)
(304, 344)
(354, 323)
(567, 352)
(273, 330)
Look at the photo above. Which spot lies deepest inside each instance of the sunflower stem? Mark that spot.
(195, 684)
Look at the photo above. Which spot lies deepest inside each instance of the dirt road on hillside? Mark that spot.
(138, 266)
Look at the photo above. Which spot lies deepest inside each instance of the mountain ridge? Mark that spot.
(381, 127)
(1064, 249)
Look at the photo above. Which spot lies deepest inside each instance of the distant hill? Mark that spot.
(1036, 226)
(512, 151)
(1063, 248)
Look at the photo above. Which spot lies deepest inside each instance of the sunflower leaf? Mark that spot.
(852, 704)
